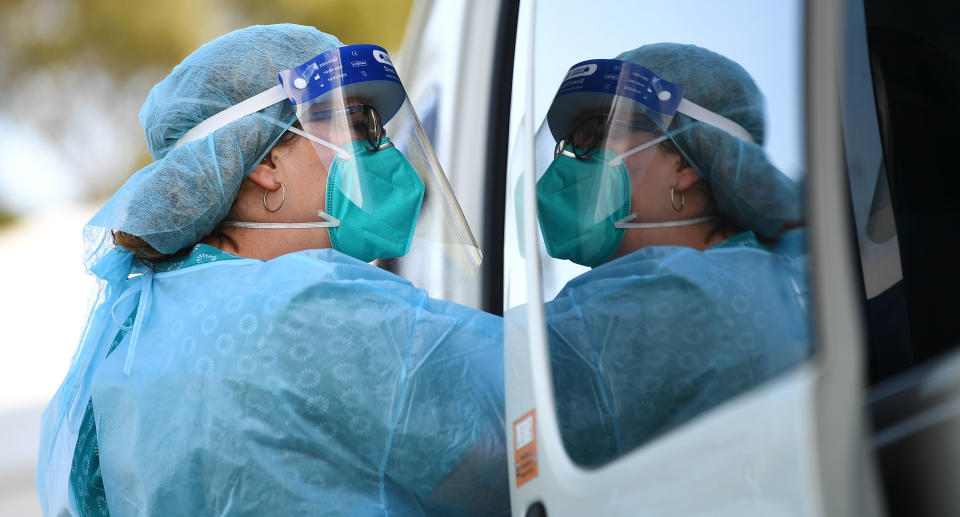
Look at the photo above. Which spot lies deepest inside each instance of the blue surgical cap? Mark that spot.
(747, 188)
(180, 198)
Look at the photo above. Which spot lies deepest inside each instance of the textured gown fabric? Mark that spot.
(86, 481)
(648, 341)
(310, 384)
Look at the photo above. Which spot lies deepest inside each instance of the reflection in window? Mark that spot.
(652, 171)
(429, 106)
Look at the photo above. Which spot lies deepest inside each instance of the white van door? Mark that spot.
(790, 439)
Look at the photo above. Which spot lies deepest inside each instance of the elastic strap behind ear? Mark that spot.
(236, 112)
(702, 114)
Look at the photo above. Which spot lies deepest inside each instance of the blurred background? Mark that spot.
(73, 74)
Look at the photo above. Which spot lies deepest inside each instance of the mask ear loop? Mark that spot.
(343, 153)
(618, 159)
(625, 222)
(329, 222)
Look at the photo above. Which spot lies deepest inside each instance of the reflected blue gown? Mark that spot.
(646, 342)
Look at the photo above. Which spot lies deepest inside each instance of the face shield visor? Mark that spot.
(385, 189)
(602, 132)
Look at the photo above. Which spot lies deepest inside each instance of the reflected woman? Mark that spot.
(659, 182)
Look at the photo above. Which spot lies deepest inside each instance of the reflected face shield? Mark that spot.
(384, 186)
(607, 120)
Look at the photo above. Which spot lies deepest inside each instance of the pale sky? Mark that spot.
(33, 176)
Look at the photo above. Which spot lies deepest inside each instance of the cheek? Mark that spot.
(322, 154)
(624, 140)
(638, 164)
(650, 178)
(313, 183)
(340, 136)
(645, 200)
(318, 175)
(336, 134)
(616, 144)
(311, 168)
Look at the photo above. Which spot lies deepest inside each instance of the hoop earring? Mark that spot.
(283, 197)
(673, 201)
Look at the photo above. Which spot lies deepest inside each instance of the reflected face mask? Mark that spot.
(584, 195)
(583, 205)
(578, 202)
(376, 196)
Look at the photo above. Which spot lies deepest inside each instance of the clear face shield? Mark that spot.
(607, 122)
(384, 189)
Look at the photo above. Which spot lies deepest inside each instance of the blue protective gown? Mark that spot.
(310, 384)
(645, 342)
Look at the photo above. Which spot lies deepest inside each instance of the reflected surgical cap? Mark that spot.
(181, 197)
(747, 188)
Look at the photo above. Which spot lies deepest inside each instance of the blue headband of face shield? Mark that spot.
(596, 84)
(316, 79)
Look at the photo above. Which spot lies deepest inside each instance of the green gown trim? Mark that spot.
(85, 477)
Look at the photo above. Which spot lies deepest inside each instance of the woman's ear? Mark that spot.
(264, 174)
(685, 177)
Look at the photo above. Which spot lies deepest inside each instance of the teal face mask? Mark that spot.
(578, 202)
(376, 196)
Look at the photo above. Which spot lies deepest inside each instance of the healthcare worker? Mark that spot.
(659, 182)
(243, 357)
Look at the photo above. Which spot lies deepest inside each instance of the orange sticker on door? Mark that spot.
(525, 447)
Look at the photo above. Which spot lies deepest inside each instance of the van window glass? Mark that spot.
(669, 164)
(904, 68)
